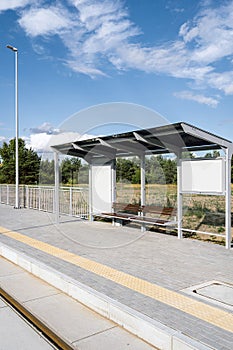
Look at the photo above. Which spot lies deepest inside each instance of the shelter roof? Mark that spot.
(171, 138)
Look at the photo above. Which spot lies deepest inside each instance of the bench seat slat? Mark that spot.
(138, 214)
(116, 215)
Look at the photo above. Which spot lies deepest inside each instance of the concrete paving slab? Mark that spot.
(219, 292)
(6, 269)
(68, 317)
(15, 333)
(24, 288)
(157, 258)
(112, 339)
(2, 303)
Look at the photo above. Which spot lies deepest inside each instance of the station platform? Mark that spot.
(76, 325)
(174, 294)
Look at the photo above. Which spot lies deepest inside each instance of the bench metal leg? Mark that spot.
(116, 222)
(143, 227)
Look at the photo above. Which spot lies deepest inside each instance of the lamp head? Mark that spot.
(12, 48)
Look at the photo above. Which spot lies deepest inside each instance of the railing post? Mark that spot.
(39, 199)
(71, 202)
(27, 196)
(7, 194)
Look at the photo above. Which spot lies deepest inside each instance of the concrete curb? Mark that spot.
(153, 332)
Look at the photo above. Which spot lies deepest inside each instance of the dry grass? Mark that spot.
(201, 212)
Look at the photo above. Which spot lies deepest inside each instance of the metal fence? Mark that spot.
(73, 200)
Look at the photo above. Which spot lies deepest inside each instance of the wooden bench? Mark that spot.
(148, 214)
(124, 211)
(156, 215)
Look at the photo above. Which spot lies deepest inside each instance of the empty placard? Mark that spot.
(203, 176)
(101, 188)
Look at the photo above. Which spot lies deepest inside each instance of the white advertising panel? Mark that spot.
(203, 176)
(101, 188)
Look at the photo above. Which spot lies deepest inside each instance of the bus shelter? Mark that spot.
(199, 175)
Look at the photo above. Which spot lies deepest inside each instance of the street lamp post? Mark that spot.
(17, 206)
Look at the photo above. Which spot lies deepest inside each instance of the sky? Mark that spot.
(172, 56)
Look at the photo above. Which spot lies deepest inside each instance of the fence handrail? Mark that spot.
(73, 200)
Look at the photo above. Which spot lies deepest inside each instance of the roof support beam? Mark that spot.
(192, 130)
(77, 147)
(162, 145)
(119, 146)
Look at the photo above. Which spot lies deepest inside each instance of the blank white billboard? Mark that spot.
(203, 176)
(101, 188)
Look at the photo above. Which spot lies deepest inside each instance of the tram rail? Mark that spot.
(35, 322)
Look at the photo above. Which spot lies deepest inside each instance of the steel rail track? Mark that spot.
(51, 336)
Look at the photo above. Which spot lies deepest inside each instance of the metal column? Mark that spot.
(179, 197)
(113, 173)
(143, 186)
(114, 181)
(90, 193)
(143, 181)
(56, 189)
(228, 154)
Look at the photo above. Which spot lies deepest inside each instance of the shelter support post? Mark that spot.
(113, 174)
(113, 169)
(179, 197)
(56, 189)
(143, 186)
(228, 153)
(90, 193)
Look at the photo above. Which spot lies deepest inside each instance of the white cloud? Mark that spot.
(222, 81)
(99, 34)
(42, 142)
(39, 142)
(13, 4)
(45, 128)
(201, 43)
(211, 33)
(45, 135)
(188, 95)
(3, 138)
(45, 21)
(188, 34)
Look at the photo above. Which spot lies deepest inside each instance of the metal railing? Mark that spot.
(74, 201)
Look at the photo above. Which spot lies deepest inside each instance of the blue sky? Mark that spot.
(173, 56)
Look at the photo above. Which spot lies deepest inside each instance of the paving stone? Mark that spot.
(22, 286)
(161, 259)
(68, 318)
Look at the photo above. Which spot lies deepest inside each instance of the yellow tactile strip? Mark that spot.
(210, 314)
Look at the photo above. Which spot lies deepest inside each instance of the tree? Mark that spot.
(160, 170)
(83, 176)
(170, 171)
(214, 154)
(126, 170)
(154, 170)
(47, 172)
(70, 170)
(188, 155)
(29, 163)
